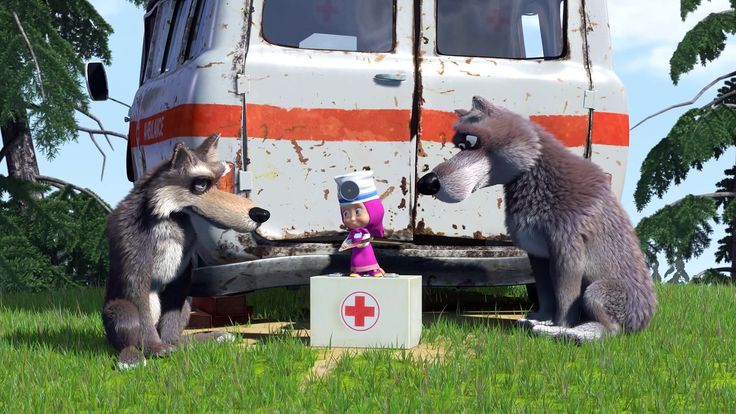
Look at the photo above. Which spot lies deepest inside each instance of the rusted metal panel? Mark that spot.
(295, 118)
(178, 105)
(610, 132)
(315, 114)
(550, 92)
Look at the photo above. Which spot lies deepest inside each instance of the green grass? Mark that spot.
(54, 358)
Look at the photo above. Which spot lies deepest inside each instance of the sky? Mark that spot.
(644, 35)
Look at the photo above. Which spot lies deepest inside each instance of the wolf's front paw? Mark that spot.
(158, 349)
(217, 336)
(529, 323)
(540, 317)
(129, 358)
(225, 337)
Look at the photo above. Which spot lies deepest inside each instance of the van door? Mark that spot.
(526, 55)
(328, 90)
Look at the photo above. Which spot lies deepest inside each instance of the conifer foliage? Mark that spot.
(56, 241)
(44, 46)
(48, 238)
(683, 230)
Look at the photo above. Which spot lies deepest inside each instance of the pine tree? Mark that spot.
(682, 230)
(57, 237)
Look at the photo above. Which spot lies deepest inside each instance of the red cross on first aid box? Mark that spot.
(365, 312)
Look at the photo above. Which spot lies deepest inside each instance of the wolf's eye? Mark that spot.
(200, 185)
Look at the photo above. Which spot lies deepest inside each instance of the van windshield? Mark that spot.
(350, 25)
(519, 29)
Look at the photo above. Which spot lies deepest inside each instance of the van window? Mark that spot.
(518, 29)
(149, 23)
(158, 39)
(349, 25)
(199, 36)
(176, 34)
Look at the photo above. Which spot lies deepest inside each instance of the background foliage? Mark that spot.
(63, 34)
(683, 230)
(52, 242)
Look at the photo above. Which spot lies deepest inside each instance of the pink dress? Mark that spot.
(363, 259)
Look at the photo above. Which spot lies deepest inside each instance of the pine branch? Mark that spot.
(686, 103)
(719, 194)
(681, 231)
(698, 136)
(59, 183)
(33, 54)
(704, 43)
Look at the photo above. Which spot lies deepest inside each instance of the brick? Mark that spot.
(199, 320)
(221, 305)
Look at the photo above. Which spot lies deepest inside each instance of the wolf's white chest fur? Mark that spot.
(170, 261)
(528, 238)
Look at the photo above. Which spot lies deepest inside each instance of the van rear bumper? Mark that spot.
(439, 265)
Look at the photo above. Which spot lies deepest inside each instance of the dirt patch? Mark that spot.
(329, 357)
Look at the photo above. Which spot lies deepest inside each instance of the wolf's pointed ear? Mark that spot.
(461, 112)
(207, 150)
(483, 105)
(182, 158)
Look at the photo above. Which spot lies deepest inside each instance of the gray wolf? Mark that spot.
(151, 241)
(588, 267)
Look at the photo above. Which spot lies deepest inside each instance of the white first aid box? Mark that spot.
(365, 312)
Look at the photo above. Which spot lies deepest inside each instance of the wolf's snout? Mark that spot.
(429, 184)
(259, 215)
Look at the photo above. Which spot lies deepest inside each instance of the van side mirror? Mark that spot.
(94, 74)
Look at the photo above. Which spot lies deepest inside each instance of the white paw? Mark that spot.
(531, 323)
(226, 337)
(124, 366)
(549, 330)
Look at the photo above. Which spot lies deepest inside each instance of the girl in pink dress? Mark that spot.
(362, 213)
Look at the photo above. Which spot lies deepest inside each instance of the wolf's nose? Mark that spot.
(259, 215)
(429, 184)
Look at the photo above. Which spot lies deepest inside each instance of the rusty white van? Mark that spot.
(304, 90)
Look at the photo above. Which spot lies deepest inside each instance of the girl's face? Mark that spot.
(354, 216)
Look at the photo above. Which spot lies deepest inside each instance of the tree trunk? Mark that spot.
(21, 158)
(733, 240)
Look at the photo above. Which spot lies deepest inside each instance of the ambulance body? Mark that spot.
(304, 90)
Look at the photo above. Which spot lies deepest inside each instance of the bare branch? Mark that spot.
(104, 157)
(59, 183)
(103, 132)
(690, 102)
(33, 55)
(719, 99)
(99, 123)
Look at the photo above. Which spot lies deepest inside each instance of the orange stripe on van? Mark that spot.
(322, 124)
(608, 128)
(188, 120)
